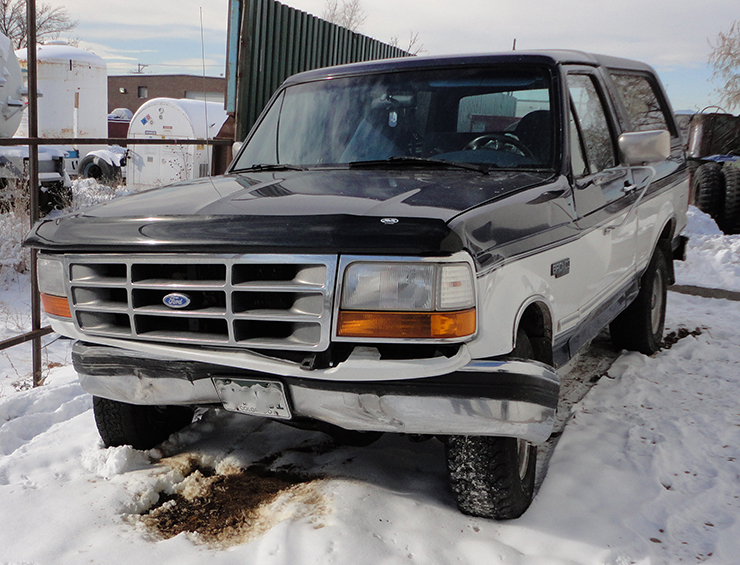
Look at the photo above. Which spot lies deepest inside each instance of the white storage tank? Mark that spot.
(170, 118)
(74, 88)
(11, 88)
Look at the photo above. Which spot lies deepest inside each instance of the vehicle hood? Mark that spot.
(319, 210)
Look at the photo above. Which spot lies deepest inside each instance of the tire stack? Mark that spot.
(716, 190)
(731, 220)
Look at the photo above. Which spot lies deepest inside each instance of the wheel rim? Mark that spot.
(522, 455)
(656, 302)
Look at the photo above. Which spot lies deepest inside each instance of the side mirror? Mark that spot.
(640, 147)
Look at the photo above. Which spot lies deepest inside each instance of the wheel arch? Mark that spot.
(535, 318)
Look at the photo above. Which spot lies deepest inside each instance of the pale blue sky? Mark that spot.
(673, 36)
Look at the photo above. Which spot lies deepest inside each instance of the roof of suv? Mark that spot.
(547, 57)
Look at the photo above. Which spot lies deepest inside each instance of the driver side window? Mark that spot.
(595, 150)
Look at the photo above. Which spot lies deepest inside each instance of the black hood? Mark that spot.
(298, 211)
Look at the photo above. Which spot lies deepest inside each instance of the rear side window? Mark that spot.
(641, 102)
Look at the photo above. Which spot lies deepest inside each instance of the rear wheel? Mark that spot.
(493, 477)
(640, 326)
(139, 426)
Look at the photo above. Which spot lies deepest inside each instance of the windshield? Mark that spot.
(499, 117)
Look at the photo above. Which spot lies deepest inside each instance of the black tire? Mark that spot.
(92, 166)
(708, 186)
(640, 326)
(493, 477)
(732, 199)
(141, 427)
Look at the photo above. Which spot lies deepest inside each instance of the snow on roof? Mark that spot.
(63, 53)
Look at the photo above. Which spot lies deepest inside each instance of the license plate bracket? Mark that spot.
(256, 397)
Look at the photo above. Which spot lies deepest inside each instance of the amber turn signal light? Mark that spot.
(408, 325)
(56, 305)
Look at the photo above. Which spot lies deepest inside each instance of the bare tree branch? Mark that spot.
(725, 58)
(50, 22)
(415, 47)
(349, 13)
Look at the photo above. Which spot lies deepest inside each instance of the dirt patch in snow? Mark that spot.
(673, 337)
(230, 506)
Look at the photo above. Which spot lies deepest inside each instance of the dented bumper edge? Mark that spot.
(509, 398)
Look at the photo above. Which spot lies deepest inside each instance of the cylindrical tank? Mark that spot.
(74, 91)
(11, 85)
(170, 118)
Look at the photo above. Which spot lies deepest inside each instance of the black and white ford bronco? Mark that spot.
(410, 246)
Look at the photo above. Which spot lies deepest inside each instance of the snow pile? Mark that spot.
(87, 192)
(13, 258)
(658, 446)
(646, 472)
(713, 259)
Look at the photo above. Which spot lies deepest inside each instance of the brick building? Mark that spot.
(131, 91)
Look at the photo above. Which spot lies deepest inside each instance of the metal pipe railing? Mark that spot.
(33, 185)
(33, 141)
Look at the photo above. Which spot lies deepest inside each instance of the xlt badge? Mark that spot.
(560, 268)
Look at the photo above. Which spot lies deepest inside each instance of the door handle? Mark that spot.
(628, 187)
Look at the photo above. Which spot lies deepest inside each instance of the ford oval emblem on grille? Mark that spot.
(176, 300)
(389, 221)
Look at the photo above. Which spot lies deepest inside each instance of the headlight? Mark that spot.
(407, 301)
(51, 287)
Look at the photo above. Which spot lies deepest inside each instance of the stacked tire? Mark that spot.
(716, 190)
(731, 219)
(709, 189)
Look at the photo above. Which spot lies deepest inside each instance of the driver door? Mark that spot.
(604, 193)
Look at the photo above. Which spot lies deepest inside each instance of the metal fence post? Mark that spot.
(33, 183)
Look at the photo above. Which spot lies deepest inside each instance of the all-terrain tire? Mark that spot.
(640, 326)
(493, 477)
(731, 220)
(141, 427)
(708, 186)
(485, 475)
(92, 166)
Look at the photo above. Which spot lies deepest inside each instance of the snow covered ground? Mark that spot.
(646, 472)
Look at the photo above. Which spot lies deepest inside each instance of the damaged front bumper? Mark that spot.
(510, 398)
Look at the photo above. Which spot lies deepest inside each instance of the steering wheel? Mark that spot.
(499, 142)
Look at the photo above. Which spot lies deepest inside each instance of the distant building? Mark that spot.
(131, 91)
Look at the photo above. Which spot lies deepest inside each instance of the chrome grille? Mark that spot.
(256, 301)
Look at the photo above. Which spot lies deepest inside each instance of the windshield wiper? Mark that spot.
(272, 167)
(421, 162)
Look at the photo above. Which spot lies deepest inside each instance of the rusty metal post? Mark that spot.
(33, 182)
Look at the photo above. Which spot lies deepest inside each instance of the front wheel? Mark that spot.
(640, 326)
(140, 426)
(491, 477)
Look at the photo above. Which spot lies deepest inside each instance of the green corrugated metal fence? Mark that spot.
(274, 41)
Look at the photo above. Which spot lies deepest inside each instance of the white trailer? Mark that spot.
(170, 118)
